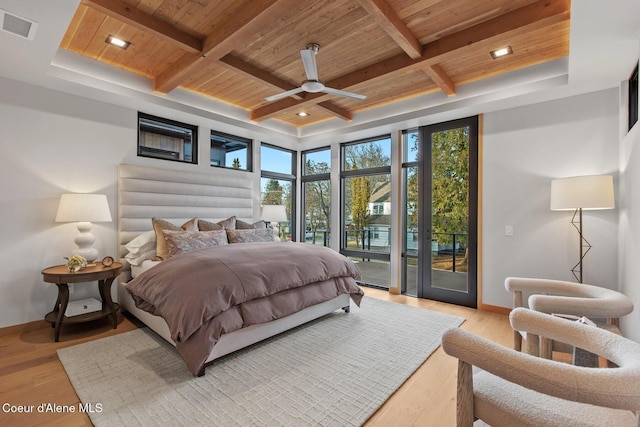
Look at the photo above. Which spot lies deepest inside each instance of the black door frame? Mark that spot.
(425, 290)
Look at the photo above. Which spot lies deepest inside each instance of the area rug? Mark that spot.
(335, 371)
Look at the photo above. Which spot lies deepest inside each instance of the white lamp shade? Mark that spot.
(273, 213)
(586, 192)
(83, 208)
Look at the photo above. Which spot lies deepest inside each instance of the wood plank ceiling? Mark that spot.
(241, 51)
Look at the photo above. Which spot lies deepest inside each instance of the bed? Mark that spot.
(256, 303)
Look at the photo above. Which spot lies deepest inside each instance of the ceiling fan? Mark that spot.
(312, 84)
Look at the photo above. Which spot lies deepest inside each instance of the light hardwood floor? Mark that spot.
(31, 374)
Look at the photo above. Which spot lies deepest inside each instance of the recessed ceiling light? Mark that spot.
(501, 52)
(123, 44)
(302, 114)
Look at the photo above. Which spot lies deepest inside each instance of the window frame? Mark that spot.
(283, 177)
(633, 98)
(157, 153)
(344, 174)
(249, 148)
(312, 178)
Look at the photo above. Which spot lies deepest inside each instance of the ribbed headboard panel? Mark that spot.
(177, 196)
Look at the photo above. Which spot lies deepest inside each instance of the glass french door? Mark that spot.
(441, 193)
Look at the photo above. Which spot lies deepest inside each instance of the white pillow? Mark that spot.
(143, 243)
(137, 259)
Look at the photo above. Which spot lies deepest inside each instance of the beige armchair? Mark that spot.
(518, 389)
(564, 298)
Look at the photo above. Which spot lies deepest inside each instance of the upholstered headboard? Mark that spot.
(177, 196)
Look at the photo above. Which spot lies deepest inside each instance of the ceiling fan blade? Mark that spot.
(344, 93)
(284, 94)
(309, 62)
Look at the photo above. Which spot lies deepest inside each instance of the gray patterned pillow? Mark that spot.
(204, 225)
(241, 225)
(251, 235)
(179, 242)
(160, 225)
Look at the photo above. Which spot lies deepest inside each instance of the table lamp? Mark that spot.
(580, 193)
(84, 209)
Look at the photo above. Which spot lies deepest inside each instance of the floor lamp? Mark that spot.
(274, 214)
(580, 193)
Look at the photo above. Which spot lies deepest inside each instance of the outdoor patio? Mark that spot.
(377, 273)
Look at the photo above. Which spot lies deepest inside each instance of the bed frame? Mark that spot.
(178, 196)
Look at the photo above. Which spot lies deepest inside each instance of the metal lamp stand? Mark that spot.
(585, 246)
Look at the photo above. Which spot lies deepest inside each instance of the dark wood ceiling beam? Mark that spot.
(533, 16)
(259, 18)
(440, 78)
(389, 21)
(142, 21)
(257, 74)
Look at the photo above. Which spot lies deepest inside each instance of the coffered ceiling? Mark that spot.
(241, 51)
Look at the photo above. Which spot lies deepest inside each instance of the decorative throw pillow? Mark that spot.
(137, 259)
(160, 224)
(241, 225)
(251, 235)
(179, 242)
(142, 243)
(204, 225)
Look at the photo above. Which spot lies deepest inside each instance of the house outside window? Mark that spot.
(278, 183)
(229, 151)
(365, 190)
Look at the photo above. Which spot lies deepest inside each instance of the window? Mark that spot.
(365, 191)
(316, 196)
(633, 98)
(167, 139)
(278, 183)
(377, 208)
(410, 190)
(230, 151)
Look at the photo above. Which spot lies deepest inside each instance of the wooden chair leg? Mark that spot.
(546, 348)
(532, 345)
(517, 341)
(517, 338)
(464, 403)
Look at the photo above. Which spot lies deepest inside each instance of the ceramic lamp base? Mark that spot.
(85, 240)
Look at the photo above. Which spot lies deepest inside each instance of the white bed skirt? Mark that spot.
(241, 338)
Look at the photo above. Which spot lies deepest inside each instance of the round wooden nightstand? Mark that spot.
(61, 276)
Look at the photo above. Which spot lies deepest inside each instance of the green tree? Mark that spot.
(450, 186)
(317, 197)
(272, 194)
(412, 188)
(363, 156)
(360, 197)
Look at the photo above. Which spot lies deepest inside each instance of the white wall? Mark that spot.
(524, 149)
(54, 143)
(629, 217)
(629, 232)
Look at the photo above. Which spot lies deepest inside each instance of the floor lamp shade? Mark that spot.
(274, 214)
(84, 209)
(580, 193)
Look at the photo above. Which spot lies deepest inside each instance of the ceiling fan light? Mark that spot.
(501, 52)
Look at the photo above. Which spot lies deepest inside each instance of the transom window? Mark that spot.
(230, 151)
